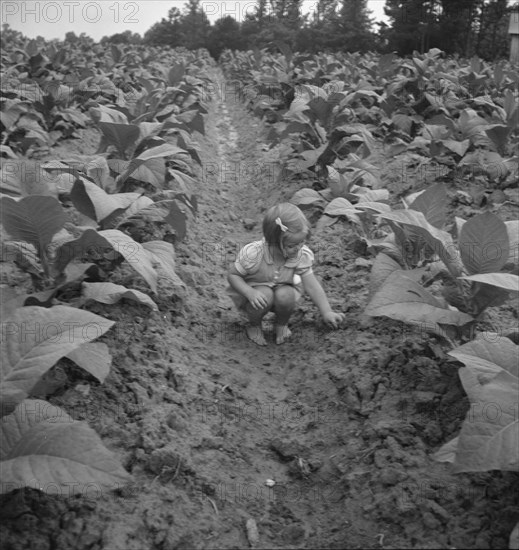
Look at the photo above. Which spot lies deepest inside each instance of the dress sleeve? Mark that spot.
(304, 267)
(249, 258)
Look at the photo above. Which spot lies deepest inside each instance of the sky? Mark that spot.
(53, 19)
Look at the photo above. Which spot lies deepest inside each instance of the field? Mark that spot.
(165, 427)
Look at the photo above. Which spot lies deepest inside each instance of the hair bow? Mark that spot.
(282, 226)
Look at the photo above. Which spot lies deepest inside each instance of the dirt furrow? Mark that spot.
(343, 422)
(267, 405)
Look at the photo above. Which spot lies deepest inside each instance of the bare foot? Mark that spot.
(255, 334)
(282, 333)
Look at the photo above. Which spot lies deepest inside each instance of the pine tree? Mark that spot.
(457, 20)
(194, 26)
(492, 40)
(326, 11)
(354, 24)
(225, 34)
(413, 25)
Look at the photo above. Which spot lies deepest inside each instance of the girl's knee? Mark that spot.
(268, 293)
(285, 296)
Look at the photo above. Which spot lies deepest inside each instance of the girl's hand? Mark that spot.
(333, 319)
(257, 299)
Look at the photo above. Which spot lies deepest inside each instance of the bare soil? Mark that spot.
(344, 422)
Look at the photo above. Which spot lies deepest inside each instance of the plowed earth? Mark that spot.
(344, 422)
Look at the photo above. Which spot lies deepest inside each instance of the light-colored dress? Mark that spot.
(255, 263)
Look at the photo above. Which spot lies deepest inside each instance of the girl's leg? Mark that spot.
(285, 298)
(254, 331)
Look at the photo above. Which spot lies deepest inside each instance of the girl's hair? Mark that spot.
(290, 216)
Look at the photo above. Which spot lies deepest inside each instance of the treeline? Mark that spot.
(464, 27)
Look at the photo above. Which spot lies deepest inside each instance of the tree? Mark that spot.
(457, 20)
(126, 37)
(272, 21)
(492, 40)
(413, 25)
(189, 28)
(225, 34)
(354, 25)
(194, 26)
(339, 26)
(326, 10)
(464, 27)
(167, 32)
(71, 37)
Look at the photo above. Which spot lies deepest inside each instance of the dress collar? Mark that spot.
(270, 260)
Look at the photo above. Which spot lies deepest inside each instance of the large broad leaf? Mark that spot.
(507, 281)
(24, 255)
(322, 109)
(9, 301)
(440, 241)
(483, 244)
(285, 50)
(488, 162)
(382, 268)
(342, 207)
(94, 357)
(498, 133)
(372, 195)
(433, 204)
(121, 136)
(26, 177)
(489, 438)
(512, 228)
(378, 207)
(193, 120)
(473, 127)
(307, 197)
(405, 300)
(152, 171)
(35, 339)
(447, 453)
(44, 448)
(95, 203)
(152, 213)
(140, 204)
(340, 186)
(116, 219)
(489, 356)
(152, 154)
(176, 73)
(34, 219)
(106, 114)
(458, 147)
(89, 240)
(185, 182)
(161, 151)
(162, 255)
(184, 141)
(110, 293)
(131, 250)
(177, 219)
(134, 253)
(403, 122)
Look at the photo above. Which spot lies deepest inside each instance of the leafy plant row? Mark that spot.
(330, 110)
(333, 118)
(72, 223)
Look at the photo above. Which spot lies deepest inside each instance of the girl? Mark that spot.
(271, 274)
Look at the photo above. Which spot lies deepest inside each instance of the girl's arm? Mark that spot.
(316, 292)
(237, 282)
(255, 297)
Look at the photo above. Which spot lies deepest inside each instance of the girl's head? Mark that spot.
(285, 226)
